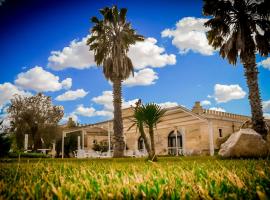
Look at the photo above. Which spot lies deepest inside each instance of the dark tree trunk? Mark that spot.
(251, 73)
(153, 149)
(146, 142)
(117, 121)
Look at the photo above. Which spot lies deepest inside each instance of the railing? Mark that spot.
(173, 151)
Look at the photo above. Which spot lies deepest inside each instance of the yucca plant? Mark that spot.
(148, 116)
(110, 40)
(241, 28)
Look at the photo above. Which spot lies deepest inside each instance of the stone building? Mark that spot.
(182, 131)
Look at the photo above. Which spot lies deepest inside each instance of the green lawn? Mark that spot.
(131, 178)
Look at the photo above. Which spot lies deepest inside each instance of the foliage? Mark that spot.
(242, 28)
(170, 178)
(35, 116)
(110, 40)
(5, 141)
(27, 155)
(148, 116)
(101, 147)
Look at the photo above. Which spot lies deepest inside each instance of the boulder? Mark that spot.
(244, 143)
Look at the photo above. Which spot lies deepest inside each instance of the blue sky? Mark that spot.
(42, 49)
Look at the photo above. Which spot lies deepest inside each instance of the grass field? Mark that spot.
(131, 178)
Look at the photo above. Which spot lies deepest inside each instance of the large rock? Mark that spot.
(244, 143)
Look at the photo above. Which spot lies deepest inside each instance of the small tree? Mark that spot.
(148, 116)
(34, 115)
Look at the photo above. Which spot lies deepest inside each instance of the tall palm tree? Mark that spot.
(148, 115)
(110, 40)
(242, 28)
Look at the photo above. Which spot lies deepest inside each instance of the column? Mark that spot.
(63, 137)
(79, 142)
(183, 140)
(176, 142)
(83, 133)
(211, 137)
(109, 140)
(25, 142)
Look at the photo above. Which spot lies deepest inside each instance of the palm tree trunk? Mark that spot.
(251, 73)
(153, 149)
(118, 121)
(145, 139)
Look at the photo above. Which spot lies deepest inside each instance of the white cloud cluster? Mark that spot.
(266, 115)
(148, 54)
(7, 92)
(225, 93)
(189, 35)
(106, 100)
(76, 55)
(66, 117)
(218, 109)
(40, 80)
(85, 111)
(265, 63)
(168, 104)
(143, 54)
(142, 77)
(205, 103)
(72, 95)
(266, 106)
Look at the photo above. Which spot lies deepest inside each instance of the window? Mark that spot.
(94, 141)
(172, 142)
(220, 132)
(140, 143)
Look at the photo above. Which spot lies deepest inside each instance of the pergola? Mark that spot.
(89, 129)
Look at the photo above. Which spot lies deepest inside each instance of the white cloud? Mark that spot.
(7, 92)
(218, 109)
(265, 63)
(147, 54)
(106, 99)
(72, 115)
(189, 35)
(205, 103)
(39, 80)
(67, 83)
(266, 106)
(168, 104)
(142, 77)
(76, 55)
(266, 115)
(225, 93)
(72, 95)
(85, 111)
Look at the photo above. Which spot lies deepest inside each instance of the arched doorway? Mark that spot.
(172, 146)
(141, 146)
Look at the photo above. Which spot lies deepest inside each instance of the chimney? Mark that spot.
(197, 108)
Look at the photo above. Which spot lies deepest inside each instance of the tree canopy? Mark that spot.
(36, 116)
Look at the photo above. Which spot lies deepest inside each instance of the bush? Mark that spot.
(27, 155)
(5, 144)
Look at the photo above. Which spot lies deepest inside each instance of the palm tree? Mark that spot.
(110, 40)
(242, 28)
(148, 115)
